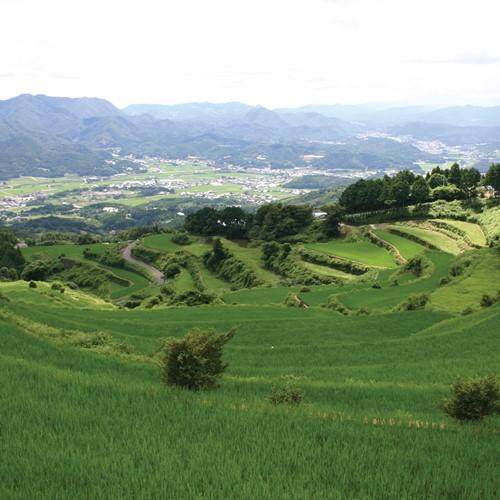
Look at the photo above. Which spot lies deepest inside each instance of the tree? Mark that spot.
(203, 222)
(470, 179)
(454, 175)
(420, 190)
(447, 193)
(331, 224)
(492, 177)
(364, 195)
(400, 191)
(172, 270)
(234, 222)
(195, 361)
(10, 256)
(437, 180)
(274, 220)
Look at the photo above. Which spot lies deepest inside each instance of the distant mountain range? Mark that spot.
(51, 136)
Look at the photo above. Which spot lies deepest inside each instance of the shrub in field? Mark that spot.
(489, 300)
(337, 306)
(153, 301)
(132, 304)
(193, 298)
(8, 274)
(92, 340)
(195, 361)
(32, 284)
(181, 239)
(172, 270)
(293, 300)
(363, 311)
(417, 265)
(473, 398)
(287, 393)
(56, 286)
(414, 302)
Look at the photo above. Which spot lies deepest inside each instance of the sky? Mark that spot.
(274, 53)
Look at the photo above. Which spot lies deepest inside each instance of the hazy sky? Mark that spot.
(269, 52)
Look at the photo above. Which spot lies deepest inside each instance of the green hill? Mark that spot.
(84, 412)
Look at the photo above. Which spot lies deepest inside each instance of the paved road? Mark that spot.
(156, 273)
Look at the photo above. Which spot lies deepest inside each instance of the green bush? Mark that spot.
(195, 361)
(8, 274)
(172, 270)
(181, 239)
(488, 300)
(473, 398)
(293, 300)
(32, 284)
(334, 305)
(92, 340)
(153, 301)
(414, 302)
(287, 393)
(417, 265)
(132, 304)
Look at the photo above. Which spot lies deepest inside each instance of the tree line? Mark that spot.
(276, 221)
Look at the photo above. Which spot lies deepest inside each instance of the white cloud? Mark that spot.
(272, 52)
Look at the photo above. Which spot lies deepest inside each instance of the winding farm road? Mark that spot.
(156, 273)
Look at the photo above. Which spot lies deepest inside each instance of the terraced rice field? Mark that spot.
(473, 231)
(407, 248)
(136, 280)
(435, 238)
(361, 251)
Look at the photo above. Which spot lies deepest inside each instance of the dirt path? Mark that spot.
(156, 273)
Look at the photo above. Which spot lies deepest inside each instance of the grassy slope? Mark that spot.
(83, 425)
(467, 291)
(390, 296)
(406, 247)
(439, 240)
(252, 256)
(473, 231)
(163, 243)
(361, 251)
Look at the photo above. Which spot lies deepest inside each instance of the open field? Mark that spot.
(96, 425)
(154, 181)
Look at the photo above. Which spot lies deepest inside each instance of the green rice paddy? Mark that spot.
(360, 251)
